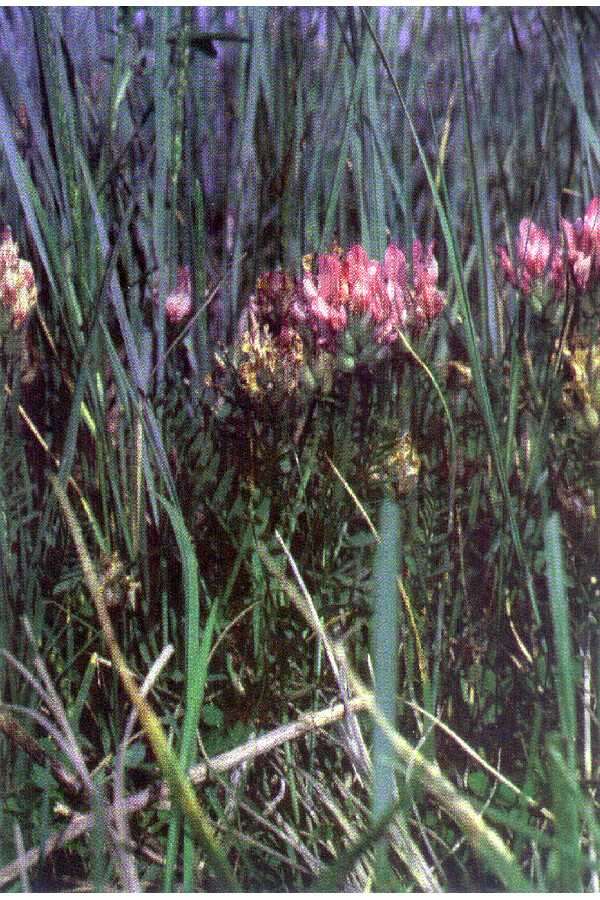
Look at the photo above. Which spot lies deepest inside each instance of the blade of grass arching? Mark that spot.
(293, 112)
(197, 653)
(359, 178)
(181, 790)
(249, 88)
(74, 713)
(200, 332)
(46, 45)
(109, 281)
(559, 608)
(399, 192)
(472, 345)
(161, 221)
(142, 411)
(516, 372)
(414, 80)
(120, 76)
(487, 311)
(384, 653)
(35, 118)
(136, 367)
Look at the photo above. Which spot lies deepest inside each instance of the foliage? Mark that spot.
(233, 371)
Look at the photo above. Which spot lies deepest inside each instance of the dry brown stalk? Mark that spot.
(82, 823)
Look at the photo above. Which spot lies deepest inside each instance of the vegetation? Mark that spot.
(299, 447)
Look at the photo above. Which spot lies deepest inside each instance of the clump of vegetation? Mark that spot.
(299, 444)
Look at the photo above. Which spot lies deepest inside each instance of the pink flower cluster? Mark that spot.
(537, 257)
(178, 304)
(352, 284)
(583, 246)
(18, 292)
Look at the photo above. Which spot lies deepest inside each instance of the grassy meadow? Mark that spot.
(299, 449)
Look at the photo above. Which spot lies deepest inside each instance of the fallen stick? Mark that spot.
(82, 822)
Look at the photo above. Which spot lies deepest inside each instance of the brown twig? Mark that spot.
(82, 823)
(17, 734)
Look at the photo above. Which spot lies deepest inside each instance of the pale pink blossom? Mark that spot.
(395, 272)
(18, 292)
(427, 301)
(558, 274)
(325, 300)
(366, 287)
(533, 250)
(582, 239)
(178, 304)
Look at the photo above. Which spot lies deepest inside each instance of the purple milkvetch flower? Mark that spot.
(18, 292)
(533, 254)
(178, 304)
(582, 238)
(428, 300)
(353, 284)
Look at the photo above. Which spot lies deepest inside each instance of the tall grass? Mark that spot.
(236, 141)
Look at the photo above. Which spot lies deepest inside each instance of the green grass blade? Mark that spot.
(332, 202)
(196, 671)
(559, 608)
(161, 220)
(384, 653)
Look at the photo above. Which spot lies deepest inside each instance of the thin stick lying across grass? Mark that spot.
(80, 824)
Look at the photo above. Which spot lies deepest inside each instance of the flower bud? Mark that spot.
(346, 363)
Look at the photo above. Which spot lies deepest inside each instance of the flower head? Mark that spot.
(582, 239)
(533, 249)
(18, 292)
(178, 304)
(427, 301)
(273, 300)
(269, 366)
(378, 294)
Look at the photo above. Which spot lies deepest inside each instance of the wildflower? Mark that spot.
(178, 304)
(352, 305)
(396, 279)
(558, 273)
(533, 254)
(581, 393)
(428, 302)
(582, 238)
(273, 300)
(18, 292)
(268, 365)
(399, 467)
(324, 300)
(366, 291)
